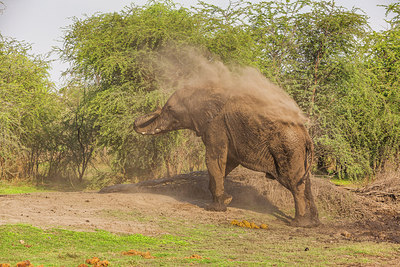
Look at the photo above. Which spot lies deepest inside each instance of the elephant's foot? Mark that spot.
(226, 199)
(305, 222)
(220, 203)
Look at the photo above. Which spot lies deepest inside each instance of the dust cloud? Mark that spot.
(189, 68)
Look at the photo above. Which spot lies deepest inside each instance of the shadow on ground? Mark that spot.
(193, 188)
(354, 213)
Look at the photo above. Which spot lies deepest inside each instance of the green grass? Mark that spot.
(345, 182)
(57, 247)
(219, 245)
(7, 188)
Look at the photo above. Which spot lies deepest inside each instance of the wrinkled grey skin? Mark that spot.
(238, 129)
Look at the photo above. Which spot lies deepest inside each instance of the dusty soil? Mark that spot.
(138, 208)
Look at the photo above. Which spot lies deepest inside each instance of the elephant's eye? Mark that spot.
(170, 110)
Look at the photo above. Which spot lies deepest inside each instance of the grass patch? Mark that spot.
(221, 245)
(227, 245)
(345, 182)
(57, 247)
(7, 188)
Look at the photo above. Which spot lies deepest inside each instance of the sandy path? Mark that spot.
(115, 212)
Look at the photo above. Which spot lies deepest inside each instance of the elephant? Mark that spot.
(264, 132)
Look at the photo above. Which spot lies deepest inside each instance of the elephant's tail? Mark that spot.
(308, 159)
(309, 156)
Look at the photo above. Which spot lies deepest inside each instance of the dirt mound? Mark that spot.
(244, 185)
(362, 216)
(383, 197)
(386, 188)
(251, 190)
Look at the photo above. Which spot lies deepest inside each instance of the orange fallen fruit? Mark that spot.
(248, 224)
(133, 252)
(235, 222)
(196, 257)
(254, 226)
(92, 261)
(24, 264)
(104, 263)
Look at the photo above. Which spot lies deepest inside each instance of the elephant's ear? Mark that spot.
(204, 105)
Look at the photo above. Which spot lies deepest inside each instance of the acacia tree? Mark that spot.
(365, 120)
(26, 107)
(316, 51)
(383, 62)
(114, 54)
(79, 134)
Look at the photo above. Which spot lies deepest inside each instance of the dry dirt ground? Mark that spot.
(359, 215)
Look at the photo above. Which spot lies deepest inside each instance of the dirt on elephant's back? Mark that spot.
(141, 208)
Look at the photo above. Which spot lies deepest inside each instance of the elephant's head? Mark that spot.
(190, 108)
(173, 116)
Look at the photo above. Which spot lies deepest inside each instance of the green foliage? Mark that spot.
(26, 107)
(79, 134)
(225, 33)
(364, 116)
(43, 136)
(383, 61)
(115, 53)
(317, 52)
(342, 74)
(324, 55)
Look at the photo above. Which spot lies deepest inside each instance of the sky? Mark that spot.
(41, 22)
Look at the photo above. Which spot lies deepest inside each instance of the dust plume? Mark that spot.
(190, 68)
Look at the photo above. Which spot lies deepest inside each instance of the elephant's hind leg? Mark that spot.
(306, 212)
(299, 185)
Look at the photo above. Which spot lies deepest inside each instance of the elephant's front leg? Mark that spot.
(216, 161)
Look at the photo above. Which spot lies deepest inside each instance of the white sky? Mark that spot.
(40, 22)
